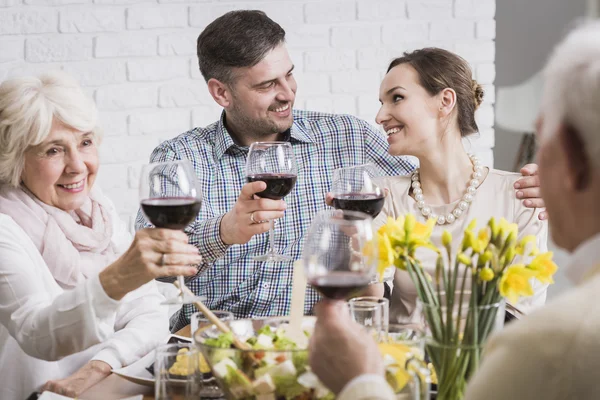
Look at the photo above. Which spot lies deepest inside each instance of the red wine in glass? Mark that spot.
(278, 185)
(339, 285)
(171, 212)
(368, 203)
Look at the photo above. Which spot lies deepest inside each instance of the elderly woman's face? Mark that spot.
(61, 170)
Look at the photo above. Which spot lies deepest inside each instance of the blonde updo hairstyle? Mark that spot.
(439, 69)
(28, 106)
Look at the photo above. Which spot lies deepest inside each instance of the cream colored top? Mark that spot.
(495, 197)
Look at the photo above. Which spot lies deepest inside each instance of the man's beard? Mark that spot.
(256, 128)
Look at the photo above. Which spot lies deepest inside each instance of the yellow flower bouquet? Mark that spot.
(461, 302)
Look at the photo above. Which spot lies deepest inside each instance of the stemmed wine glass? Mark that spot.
(340, 253)
(354, 189)
(275, 164)
(170, 197)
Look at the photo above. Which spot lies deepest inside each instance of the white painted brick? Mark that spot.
(485, 73)
(355, 36)
(195, 69)
(177, 44)
(119, 97)
(474, 8)
(58, 48)
(368, 105)
(344, 104)
(297, 57)
(484, 116)
(381, 10)
(283, 12)
(374, 58)
(353, 82)
(123, 1)
(486, 29)
(113, 123)
(133, 175)
(125, 200)
(21, 68)
(404, 31)
(23, 22)
(55, 2)
(477, 52)
(184, 1)
(112, 176)
(432, 10)
(200, 16)
(146, 17)
(452, 29)
(329, 12)
(313, 83)
(125, 149)
(157, 69)
(308, 36)
(92, 20)
(97, 72)
(205, 115)
(329, 60)
(490, 94)
(125, 45)
(9, 3)
(184, 94)
(158, 121)
(12, 49)
(321, 104)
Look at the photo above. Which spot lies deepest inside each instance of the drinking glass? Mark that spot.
(340, 253)
(371, 312)
(354, 189)
(210, 389)
(275, 164)
(170, 197)
(176, 372)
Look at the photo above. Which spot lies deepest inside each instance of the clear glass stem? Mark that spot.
(272, 236)
(181, 282)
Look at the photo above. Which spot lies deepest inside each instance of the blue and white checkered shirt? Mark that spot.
(231, 279)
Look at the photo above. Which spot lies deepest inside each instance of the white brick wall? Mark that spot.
(137, 58)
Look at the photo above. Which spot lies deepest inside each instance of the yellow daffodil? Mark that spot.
(480, 243)
(486, 274)
(515, 282)
(447, 239)
(386, 254)
(544, 267)
(464, 259)
(494, 228)
(529, 242)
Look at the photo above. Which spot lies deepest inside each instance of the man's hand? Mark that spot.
(250, 215)
(529, 189)
(340, 349)
(86, 377)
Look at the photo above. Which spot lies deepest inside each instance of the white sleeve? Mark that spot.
(142, 323)
(46, 322)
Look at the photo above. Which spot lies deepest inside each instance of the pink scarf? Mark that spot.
(74, 245)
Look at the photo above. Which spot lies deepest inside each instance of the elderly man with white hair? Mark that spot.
(553, 353)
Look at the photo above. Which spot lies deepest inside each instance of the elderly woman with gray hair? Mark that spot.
(77, 296)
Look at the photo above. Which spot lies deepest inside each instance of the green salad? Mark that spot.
(277, 368)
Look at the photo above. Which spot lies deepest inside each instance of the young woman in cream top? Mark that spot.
(428, 102)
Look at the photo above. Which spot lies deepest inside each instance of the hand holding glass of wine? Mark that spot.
(354, 189)
(275, 164)
(170, 197)
(340, 253)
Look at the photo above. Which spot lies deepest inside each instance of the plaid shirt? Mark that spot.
(230, 279)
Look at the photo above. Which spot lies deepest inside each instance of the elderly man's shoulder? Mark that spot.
(567, 325)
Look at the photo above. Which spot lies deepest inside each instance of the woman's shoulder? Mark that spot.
(396, 184)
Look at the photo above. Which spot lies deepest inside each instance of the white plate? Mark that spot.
(137, 372)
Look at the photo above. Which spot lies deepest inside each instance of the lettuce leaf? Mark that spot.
(223, 341)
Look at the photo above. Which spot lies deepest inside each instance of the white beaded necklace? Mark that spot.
(462, 205)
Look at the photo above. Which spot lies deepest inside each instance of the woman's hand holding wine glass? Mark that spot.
(355, 189)
(170, 198)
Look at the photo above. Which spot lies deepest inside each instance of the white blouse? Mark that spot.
(495, 197)
(48, 333)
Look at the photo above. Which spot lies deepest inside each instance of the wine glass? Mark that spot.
(170, 197)
(354, 189)
(340, 253)
(275, 164)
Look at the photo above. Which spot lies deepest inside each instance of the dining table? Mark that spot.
(115, 387)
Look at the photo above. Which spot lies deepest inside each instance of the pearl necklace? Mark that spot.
(462, 205)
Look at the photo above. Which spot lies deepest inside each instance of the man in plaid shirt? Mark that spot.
(244, 60)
